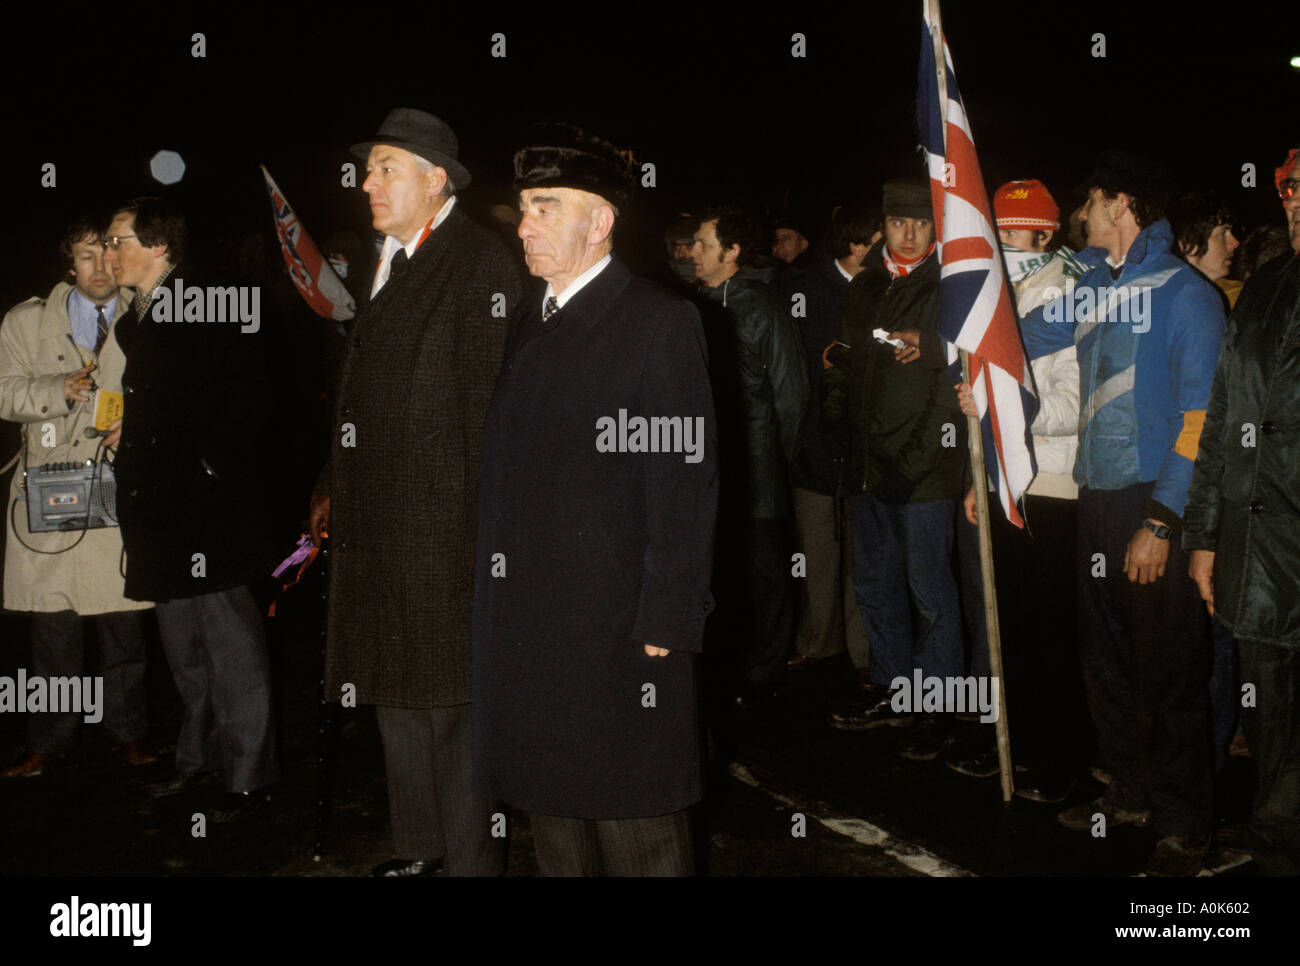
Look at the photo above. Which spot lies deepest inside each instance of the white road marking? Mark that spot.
(863, 832)
(913, 856)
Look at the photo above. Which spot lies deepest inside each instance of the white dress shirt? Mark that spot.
(391, 245)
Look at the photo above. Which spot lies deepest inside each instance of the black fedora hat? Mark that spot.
(420, 133)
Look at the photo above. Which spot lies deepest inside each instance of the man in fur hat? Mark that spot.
(597, 497)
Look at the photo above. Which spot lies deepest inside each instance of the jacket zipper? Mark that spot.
(871, 375)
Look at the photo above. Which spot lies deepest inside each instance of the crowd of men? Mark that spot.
(573, 471)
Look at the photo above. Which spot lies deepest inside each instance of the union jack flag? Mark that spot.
(975, 311)
(312, 274)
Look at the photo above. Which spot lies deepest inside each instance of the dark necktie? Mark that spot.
(101, 325)
(552, 306)
(397, 264)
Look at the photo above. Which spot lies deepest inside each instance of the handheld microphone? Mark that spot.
(92, 432)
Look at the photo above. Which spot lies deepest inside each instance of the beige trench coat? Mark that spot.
(36, 352)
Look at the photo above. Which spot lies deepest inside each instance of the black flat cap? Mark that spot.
(420, 133)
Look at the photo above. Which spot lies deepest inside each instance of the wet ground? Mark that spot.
(791, 797)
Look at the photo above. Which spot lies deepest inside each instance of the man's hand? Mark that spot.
(1201, 569)
(966, 399)
(114, 434)
(968, 504)
(75, 383)
(911, 350)
(653, 651)
(318, 517)
(1145, 557)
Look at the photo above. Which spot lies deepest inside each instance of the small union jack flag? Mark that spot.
(315, 279)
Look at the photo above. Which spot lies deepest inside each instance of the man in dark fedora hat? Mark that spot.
(597, 499)
(398, 493)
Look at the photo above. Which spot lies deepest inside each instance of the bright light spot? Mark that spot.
(167, 167)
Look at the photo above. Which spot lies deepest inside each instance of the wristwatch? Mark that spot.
(1161, 531)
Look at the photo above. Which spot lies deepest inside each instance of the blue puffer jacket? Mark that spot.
(1147, 342)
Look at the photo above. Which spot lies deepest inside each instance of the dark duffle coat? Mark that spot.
(600, 554)
(413, 391)
(189, 478)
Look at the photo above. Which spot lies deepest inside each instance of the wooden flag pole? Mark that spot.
(980, 479)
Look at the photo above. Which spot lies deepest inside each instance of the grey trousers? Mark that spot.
(216, 649)
(431, 804)
(624, 846)
(830, 622)
(59, 651)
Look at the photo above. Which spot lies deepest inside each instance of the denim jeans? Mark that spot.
(902, 562)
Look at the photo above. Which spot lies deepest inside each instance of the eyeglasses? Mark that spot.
(115, 242)
(1287, 189)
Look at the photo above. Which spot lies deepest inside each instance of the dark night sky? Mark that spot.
(718, 104)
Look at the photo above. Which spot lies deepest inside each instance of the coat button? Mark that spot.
(342, 545)
(45, 409)
(134, 493)
(1257, 507)
(356, 342)
(60, 358)
(130, 389)
(1268, 426)
(345, 412)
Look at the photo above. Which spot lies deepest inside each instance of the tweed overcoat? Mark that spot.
(189, 475)
(585, 555)
(402, 474)
(36, 352)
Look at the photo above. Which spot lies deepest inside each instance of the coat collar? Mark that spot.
(57, 303)
(1150, 244)
(442, 238)
(595, 299)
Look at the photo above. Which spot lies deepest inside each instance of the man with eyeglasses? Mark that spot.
(189, 498)
(48, 351)
(1242, 527)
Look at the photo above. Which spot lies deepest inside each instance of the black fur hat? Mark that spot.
(565, 156)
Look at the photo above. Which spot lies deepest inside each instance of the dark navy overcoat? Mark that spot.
(584, 556)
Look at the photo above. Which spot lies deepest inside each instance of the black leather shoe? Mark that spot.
(1042, 786)
(395, 868)
(860, 716)
(927, 740)
(178, 783)
(1178, 855)
(980, 764)
(238, 806)
(1080, 817)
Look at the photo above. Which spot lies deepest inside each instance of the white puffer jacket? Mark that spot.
(1056, 427)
